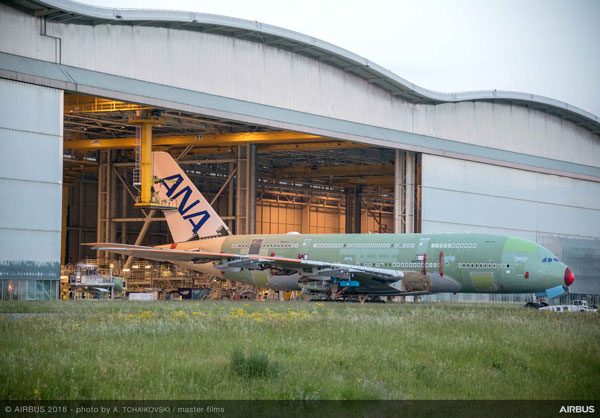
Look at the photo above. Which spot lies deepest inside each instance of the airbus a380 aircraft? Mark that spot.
(345, 265)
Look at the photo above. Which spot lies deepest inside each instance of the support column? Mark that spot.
(399, 168)
(65, 210)
(230, 199)
(241, 191)
(100, 201)
(143, 158)
(124, 214)
(146, 163)
(251, 178)
(410, 192)
(77, 255)
(245, 213)
(106, 231)
(111, 209)
(305, 218)
(357, 209)
(349, 223)
(418, 191)
(103, 201)
(353, 209)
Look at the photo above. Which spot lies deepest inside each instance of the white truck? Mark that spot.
(577, 306)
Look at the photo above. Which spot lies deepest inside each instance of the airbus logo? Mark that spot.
(577, 409)
(173, 190)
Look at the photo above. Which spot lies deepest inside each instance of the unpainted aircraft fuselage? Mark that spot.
(470, 263)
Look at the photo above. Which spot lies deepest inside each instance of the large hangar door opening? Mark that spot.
(260, 178)
(561, 213)
(31, 129)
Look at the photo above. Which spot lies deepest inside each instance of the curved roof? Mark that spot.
(67, 11)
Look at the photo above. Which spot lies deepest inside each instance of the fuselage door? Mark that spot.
(519, 266)
(255, 246)
(305, 248)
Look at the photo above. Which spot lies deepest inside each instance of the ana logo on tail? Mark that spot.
(183, 210)
(194, 215)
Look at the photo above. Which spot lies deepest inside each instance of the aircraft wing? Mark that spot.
(161, 254)
(339, 270)
(225, 261)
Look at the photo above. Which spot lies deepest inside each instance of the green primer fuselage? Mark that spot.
(471, 263)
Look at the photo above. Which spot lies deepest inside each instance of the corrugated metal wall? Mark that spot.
(31, 119)
(563, 214)
(265, 74)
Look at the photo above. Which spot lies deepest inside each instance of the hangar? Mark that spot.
(282, 131)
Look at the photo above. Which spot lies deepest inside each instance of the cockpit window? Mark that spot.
(545, 260)
(555, 259)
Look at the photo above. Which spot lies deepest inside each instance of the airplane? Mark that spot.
(344, 266)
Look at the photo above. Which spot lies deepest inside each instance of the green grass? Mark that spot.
(295, 350)
(252, 365)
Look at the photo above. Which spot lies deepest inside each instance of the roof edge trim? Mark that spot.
(567, 110)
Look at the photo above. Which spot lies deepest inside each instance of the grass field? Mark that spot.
(295, 350)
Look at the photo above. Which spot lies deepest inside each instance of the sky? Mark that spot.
(545, 47)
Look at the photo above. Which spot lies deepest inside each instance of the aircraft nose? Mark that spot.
(569, 277)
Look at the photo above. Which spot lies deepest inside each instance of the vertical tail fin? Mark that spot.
(194, 215)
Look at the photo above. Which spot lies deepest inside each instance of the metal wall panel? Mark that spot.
(22, 246)
(38, 147)
(31, 205)
(560, 213)
(17, 101)
(20, 34)
(475, 194)
(265, 74)
(583, 253)
(459, 207)
(517, 184)
(30, 181)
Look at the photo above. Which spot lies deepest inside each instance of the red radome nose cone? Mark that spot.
(569, 277)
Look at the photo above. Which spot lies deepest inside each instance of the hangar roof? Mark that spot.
(67, 11)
